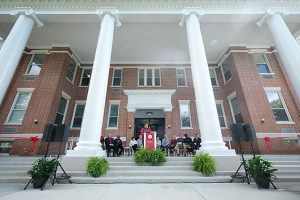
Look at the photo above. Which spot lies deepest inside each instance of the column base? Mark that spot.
(226, 160)
(87, 149)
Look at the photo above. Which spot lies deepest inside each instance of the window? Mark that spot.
(35, 65)
(149, 77)
(19, 107)
(180, 73)
(278, 106)
(71, 70)
(113, 115)
(262, 65)
(78, 115)
(117, 78)
(185, 116)
(235, 109)
(86, 77)
(221, 115)
(226, 71)
(213, 77)
(62, 108)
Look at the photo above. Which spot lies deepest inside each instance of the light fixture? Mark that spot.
(262, 121)
(169, 126)
(149, 114)
(129, 126)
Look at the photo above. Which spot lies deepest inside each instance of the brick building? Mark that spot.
(183, 91)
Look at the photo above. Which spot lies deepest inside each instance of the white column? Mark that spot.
(89, 140)
(212, 140)
(286, 46)
(13, 46)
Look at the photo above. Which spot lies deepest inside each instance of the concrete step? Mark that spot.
(149, 168)
(152, 179)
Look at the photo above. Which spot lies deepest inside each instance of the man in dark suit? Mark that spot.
(110, 144)
(119, 149)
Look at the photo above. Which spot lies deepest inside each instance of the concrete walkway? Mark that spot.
(183, 191)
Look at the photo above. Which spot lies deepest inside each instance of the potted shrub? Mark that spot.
(205, 164)
(41, 170)
(261, 170)
(154, 157)
(96, 167)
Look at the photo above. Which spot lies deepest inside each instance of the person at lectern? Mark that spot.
(109, 144)
(145, 129)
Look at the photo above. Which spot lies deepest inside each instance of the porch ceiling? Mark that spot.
(149, 38)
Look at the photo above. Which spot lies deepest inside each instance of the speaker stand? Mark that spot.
(237, 174)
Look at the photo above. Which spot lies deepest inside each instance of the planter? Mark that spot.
(39, 182)
(262, 182)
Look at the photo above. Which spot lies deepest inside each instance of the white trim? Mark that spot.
(113, 77)
(19, 91)
(81, 76)
(214, 70)
(184, 74)
(113, 102)
(224, 58)
(278, 90)
(66, 97)
(77, 64)
(185, 102)
(77, 102)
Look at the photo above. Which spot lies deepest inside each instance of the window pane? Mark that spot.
(149, 73)
(34, 70)
(226, 71)
(212, 73)
(113, 122)
(17, 116)
(280, 115)
(274, 99)
(62, 105)
(263, 68)
(78, 116)
(117, 82)
(141, 81)
(79, 110)
(259, 58)
(77, 122)
(219, 109)
(114, 109)
(222, 122)
(157, 73)
(59, 118)
(181, 81)
(149, 81)
(186, 122)
(117, 73)
(235, 105)
(22, 101)
(86, 76)
(38, 59)
(141, 73)
(180, 72)
(184, 110)
(71, 70)
(227, 76)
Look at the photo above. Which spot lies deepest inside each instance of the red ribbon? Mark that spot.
(268, 142)
(33, 141)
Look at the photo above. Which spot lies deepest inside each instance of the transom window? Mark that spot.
(149, 77)
(262, 65)
(117, 78)
(221, 115)
(236, 111)
(62, 108)
(113, 115)
(185, 115)
(71, 70)
(78, 115)
(278, 106)
(213, 77)
(19, 107)
(180, 73)
(226, 71)
(36, 64)
(86, 77)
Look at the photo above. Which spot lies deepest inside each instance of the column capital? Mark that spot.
(186, 12)
(269, 13)
(111, 11)
(28, 12)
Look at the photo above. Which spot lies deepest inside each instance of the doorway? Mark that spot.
(156, 119)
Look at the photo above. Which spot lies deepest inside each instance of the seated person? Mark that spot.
(109, 144)
(158, 143)
(140, 141)
(133, 144)
(119, 149)
(102, 142)
(188, 143)
(166, 144)
(173, 144)
(196, 142)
